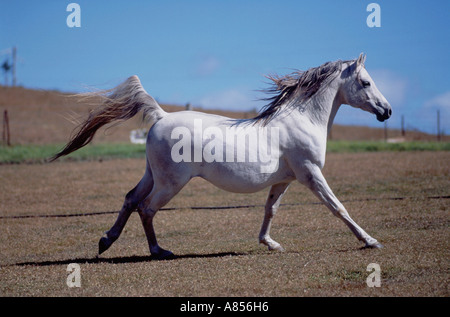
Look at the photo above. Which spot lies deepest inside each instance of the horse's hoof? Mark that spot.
(163, 255)
(271, 244)
(276, 247)
(376, 245)
(104, 245)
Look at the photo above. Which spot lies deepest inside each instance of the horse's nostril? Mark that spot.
(389, 112)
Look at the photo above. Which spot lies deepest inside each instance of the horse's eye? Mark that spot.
(365, 83)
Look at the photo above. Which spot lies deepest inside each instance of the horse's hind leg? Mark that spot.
(160, 195)
(132, 199)
(272, 204)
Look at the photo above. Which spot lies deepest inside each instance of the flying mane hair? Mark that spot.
(295, 88)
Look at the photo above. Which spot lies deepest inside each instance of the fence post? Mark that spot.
(5, 134)
(385, 132)
(403, 125)
(438, 126)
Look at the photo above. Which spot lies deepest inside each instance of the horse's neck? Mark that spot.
(314, 117)
(322, 108)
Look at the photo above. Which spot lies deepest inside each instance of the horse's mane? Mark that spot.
(295, 88)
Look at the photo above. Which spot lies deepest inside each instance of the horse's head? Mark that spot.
(360, 91)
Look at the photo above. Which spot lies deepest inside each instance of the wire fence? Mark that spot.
(428, 126)
(432, 125)
(349, 124)
(86, 214)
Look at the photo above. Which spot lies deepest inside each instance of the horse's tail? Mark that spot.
(118, 104)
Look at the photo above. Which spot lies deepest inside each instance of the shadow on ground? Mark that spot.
(126, 259)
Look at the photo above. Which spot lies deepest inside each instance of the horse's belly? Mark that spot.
(238, 186)
(240, 178)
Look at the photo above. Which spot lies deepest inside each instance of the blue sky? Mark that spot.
(214, 54)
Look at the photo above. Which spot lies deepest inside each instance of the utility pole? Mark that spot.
(14, 53)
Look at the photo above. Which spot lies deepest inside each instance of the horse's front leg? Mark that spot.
(272, 204)
(313, 178)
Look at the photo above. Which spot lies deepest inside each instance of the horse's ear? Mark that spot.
(361, 59)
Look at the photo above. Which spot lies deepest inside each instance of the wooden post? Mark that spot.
(385, 132)
(403, 125)
(438, 126)
(4, 130)
(5, 135)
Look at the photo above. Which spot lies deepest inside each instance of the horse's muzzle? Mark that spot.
(385, 115)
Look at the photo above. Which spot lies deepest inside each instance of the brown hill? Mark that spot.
(44, 117)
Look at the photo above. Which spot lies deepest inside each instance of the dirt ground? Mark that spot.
(401, 199)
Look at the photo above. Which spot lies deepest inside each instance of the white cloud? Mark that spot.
(207, 65)
(392, 86)
(231, 99)
(441, 101)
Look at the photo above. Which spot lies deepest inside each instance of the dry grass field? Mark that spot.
(52, 215)
(399, 198)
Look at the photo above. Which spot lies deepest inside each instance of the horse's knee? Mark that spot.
(144, 211)
(130, 202)
(270, 212)
(271, 209)
(339, 212)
